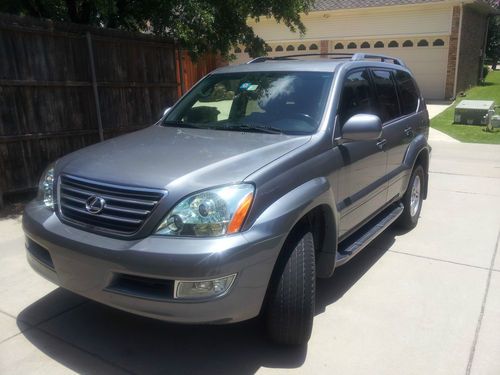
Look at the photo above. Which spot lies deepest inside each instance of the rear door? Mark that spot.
(398, 101)
(362, 182)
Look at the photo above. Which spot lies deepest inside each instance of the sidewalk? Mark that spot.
(434, 109)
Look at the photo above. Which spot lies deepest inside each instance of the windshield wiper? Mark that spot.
(257, 128)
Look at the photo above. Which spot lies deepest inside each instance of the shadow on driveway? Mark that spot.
(143, 345)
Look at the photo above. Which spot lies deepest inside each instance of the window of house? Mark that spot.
(422, 43)
(438, 43)
(302, 47)
(352, 45)
(356, 97)
(279, 49)
(290, 48)
(268, 48)
(386, 95)
(407, 43)
(379, 44)
(339, 46)
(393, 44)
(365, 45)
(313, 47)
(408, 92)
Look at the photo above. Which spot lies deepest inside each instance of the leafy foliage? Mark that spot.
(198, 25)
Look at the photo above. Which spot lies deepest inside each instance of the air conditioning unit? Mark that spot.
(473, 112)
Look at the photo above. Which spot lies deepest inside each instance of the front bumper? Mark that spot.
(95, 266)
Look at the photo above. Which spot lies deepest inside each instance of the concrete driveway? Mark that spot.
(423, 302)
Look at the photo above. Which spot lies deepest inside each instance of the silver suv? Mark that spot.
(263, 177)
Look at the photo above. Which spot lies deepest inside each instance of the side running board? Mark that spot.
(366, 234)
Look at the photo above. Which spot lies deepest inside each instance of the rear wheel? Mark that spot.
(412, 200)
(290, 310)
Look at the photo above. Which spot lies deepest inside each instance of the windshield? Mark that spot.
(271, 102)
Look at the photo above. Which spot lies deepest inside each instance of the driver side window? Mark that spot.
(356, 97)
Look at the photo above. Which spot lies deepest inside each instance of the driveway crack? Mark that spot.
(483, 304)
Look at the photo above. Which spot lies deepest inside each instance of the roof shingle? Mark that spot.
(352, 4)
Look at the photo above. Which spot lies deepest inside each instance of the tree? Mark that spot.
(493, 43)
(198, 25)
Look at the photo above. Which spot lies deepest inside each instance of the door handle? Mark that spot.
(381, 143)
(409, 132)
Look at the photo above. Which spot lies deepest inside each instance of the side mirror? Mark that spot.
(362, 127)
(166, 111)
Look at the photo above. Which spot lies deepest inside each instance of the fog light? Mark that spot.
(202, 288)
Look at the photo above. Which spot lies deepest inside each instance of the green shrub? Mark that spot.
(486, 70)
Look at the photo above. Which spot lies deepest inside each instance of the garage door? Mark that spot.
(428, 64)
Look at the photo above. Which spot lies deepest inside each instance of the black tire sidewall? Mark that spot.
(278, 309)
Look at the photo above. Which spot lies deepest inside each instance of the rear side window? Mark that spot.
(387, 95)
(356, 97)
(408, 93)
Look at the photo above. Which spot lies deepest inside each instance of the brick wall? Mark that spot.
(452, 52)
(323, 46)
(471, 48)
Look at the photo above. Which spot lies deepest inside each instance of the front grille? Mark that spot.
(125, 208)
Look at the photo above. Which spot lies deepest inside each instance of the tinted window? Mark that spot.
(408, 92)
(387, 96)
(356, 96)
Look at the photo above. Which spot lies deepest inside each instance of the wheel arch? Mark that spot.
(423, 160)
(418, 153)
(309, 207)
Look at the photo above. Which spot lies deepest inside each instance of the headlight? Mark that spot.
(46, 188)
(209, 213)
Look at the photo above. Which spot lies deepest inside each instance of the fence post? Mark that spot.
(94, 86)
(181, 71)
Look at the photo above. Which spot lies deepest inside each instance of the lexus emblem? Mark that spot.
(95, 204)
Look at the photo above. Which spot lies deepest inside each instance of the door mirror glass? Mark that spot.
(362, 127)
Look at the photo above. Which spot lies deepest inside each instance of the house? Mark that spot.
(442, 41)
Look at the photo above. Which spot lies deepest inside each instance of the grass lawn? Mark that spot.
(471, 133)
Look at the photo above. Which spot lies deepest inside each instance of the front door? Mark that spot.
(362, 180)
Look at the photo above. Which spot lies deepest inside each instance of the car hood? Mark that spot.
(164, 157)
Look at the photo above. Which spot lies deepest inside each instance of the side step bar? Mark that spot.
(366, 234)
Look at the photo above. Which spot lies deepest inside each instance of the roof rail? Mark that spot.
(288, 57)
(353, 57)
(382, 58)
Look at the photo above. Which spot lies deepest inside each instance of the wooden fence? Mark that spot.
(191, 71)
(65, 86)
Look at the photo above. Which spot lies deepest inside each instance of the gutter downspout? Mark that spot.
(455, 83)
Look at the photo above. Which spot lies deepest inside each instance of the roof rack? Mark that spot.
(291, 57)
(382, 58)
(353, 57)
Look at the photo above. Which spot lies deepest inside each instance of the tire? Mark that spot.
(412, 200)
(290, 307)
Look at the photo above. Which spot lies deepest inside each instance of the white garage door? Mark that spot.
(428, 64)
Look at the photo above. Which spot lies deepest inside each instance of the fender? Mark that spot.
(415, 149)
(281, 217)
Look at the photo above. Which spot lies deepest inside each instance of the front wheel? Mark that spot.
(412, 200)
(290, 309)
